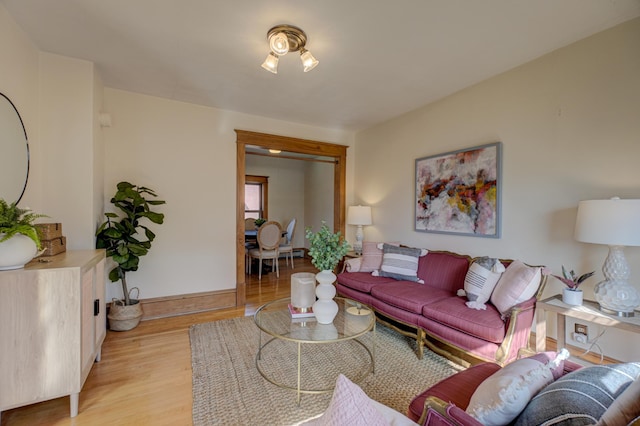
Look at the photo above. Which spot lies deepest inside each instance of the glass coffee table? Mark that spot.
(302, 355)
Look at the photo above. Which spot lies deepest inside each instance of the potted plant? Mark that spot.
(572, 295)
(259, 222)
(326, 249)
(126, 239)
(19, 239)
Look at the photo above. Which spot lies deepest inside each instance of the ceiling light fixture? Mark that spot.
(284, 39)
(275, 151)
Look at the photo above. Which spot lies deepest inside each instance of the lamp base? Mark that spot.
(617, 297)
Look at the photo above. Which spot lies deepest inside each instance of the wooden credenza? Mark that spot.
(52, 325)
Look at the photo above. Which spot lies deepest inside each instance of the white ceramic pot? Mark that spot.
(325, 308)
(572, 297)
(16, 252)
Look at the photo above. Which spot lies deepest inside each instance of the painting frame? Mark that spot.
(460, 192)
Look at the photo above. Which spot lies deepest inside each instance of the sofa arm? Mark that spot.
(519, 322)
(439, 413)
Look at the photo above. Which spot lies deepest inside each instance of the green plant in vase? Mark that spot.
(19, 239)
(326, 248)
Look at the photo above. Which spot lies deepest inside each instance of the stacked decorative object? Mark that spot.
(51, 238)
(326, 250)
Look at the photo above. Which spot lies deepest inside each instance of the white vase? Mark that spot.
(16, 252)
(325, 308)
(572, 297)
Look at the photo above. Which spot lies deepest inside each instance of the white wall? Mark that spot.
(286, 190)
(19, 82)
(570, 127)
(187, 154)
(319, 200)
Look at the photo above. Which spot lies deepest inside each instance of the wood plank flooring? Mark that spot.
(144, 377)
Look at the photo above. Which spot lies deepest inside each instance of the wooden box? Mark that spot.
(49, 231)
(54, 246)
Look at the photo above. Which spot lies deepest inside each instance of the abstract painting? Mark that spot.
(458, 192)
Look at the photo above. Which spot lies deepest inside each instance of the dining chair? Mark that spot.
(249, 224)
(286, 248)
(268, 237)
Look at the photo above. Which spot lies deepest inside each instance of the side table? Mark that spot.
(588, 311)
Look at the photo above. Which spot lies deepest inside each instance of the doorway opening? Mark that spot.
(338, 153)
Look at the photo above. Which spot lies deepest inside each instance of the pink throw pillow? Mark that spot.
(517, 284)
(372, 256)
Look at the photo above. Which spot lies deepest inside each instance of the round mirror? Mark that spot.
(14, 147)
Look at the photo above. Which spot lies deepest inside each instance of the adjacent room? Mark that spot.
(443, 202)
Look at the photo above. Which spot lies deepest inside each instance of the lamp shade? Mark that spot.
(359, 215)
(613, 222)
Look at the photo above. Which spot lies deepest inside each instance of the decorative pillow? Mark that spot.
(503, 395)
(353, 265)
(517, 284)
(372, 256)
(580, 397)
(351, 406)
(624, 409)
(400, 263)
(481, 279)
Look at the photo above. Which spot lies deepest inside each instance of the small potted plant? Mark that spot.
(572, 295)
(19, 240)
(326, 249)
(259, 222)
(121, 237)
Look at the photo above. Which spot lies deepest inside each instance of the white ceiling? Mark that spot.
(378, 58)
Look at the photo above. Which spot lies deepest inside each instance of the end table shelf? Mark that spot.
(589, 311)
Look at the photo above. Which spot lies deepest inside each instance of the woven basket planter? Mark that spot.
(124, 317)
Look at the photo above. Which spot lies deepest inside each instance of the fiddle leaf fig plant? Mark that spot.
(14, 220)
(125, 237)
(326, 248)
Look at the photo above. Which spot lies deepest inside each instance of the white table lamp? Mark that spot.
(359, 216)
(616, 223)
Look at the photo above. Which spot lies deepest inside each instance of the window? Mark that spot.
(256, 189)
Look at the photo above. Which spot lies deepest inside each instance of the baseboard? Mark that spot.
(575, 351)
(171, 306)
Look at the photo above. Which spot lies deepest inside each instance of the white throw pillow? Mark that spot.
(517, 284)
(400, 263)
(351, 406)
(503, 395)
(481, 279)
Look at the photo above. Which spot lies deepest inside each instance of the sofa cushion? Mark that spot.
(372, 256)
(443, 270)
(502, 396)
(481, 279)
(518, 283)
(362, 281)
(400, 263)
(585, 394)
(452, 311)
(410, 296)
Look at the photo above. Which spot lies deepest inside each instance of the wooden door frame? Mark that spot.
(288, 144)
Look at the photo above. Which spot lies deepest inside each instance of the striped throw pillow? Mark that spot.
(580, 397)
(400, 263)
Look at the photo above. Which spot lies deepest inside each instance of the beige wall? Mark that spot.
(187, 153)
(570, 127)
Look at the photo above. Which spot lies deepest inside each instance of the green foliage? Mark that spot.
(14, 220)
(260, 221)
(121, 236)
(326, 248)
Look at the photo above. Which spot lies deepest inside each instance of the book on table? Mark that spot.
(299, 313)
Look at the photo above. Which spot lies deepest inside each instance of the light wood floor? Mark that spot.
(144, 377)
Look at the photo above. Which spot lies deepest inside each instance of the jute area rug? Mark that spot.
(229, 390)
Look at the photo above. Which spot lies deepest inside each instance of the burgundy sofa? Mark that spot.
(444, 403)
(435, 316)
